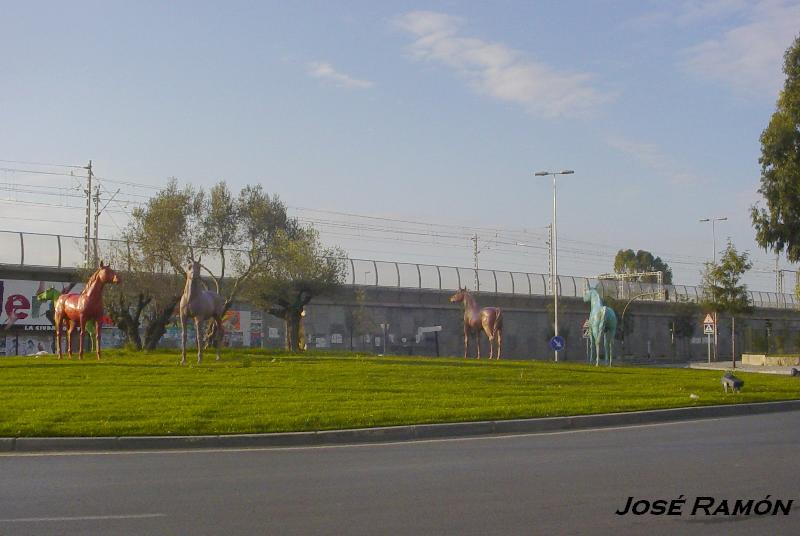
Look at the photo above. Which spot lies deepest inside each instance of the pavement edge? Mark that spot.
(390, 433)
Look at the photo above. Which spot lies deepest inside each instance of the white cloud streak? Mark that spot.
(749, 57)
(651, 157)
(499, 71)
(325, 71)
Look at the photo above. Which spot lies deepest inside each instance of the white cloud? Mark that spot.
(651, 157)
(701, 10)
(686, 13)
(749, 57)
(326, 71)
(499, 71)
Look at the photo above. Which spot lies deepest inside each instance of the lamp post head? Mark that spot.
(562, 172)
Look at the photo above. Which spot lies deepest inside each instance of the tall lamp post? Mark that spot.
(714, 234)
(554, 248)
(714, 261)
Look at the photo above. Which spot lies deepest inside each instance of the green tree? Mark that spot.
(301, 270)
(627, 262)
(220, 223)
(625, 325)
(358, 320)
(166, 228)
(183, 222)
(152, 251)
(723, 291)
(241, 230)
(778, 226)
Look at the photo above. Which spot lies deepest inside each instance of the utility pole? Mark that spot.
(96, 222)
(475, 257)
(97, 211)
(87, 229)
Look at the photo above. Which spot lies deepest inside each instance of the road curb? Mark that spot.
(390, 433)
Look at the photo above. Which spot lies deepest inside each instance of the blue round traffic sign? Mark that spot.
(557, 343)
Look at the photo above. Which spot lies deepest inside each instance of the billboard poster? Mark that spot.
(19, 305)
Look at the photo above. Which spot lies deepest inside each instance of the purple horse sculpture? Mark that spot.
(201, 305)
(488, 319)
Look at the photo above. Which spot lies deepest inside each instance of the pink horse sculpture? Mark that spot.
(201, 305)
(489, 319)
(78, 309)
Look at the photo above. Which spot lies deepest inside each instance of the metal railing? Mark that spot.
(64, 251)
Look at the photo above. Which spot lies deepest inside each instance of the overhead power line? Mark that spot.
(25, 162)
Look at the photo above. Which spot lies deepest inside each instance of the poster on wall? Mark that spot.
(19, 305)
(25, 328)
(232, 320)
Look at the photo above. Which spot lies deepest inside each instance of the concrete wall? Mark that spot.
(332, 322)
(527, 325)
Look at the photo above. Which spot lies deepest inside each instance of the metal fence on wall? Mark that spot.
(63, 251)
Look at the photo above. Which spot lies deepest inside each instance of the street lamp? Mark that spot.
(553, 246)
(714, 234)
(714, 261)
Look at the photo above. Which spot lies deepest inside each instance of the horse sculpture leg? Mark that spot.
(58, 321)
(491, 336)
(97, 328)
(597, 354)
(70, 328)
(466, 342)
(198, 326)
(596, 344)
(499, 341)
(609, 347)
(183, 339)
(220, 333)
(589, 350)
(478, 342)
(81, 333)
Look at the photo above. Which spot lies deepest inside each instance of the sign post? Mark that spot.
(709, 329)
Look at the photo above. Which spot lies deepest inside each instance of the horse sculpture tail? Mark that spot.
(498, 322)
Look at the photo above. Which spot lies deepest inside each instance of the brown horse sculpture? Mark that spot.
(488, 319)
(77, 309)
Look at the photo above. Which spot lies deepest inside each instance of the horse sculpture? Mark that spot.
(490, 319)
(51, 295)
(79, 309)
(602, 323)
(201, 305)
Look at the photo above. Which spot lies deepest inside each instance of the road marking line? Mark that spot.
(79, 518)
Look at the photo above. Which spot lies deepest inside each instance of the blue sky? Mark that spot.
(435, 112)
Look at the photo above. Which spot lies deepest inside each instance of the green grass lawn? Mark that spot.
(254, 391)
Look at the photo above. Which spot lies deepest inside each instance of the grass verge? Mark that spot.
(254, 391)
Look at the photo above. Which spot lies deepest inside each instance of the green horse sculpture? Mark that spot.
(602, 323)
(51, 295)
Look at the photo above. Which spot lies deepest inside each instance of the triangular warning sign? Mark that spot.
(709, 319)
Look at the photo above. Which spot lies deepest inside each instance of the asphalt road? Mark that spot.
(559, 483)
